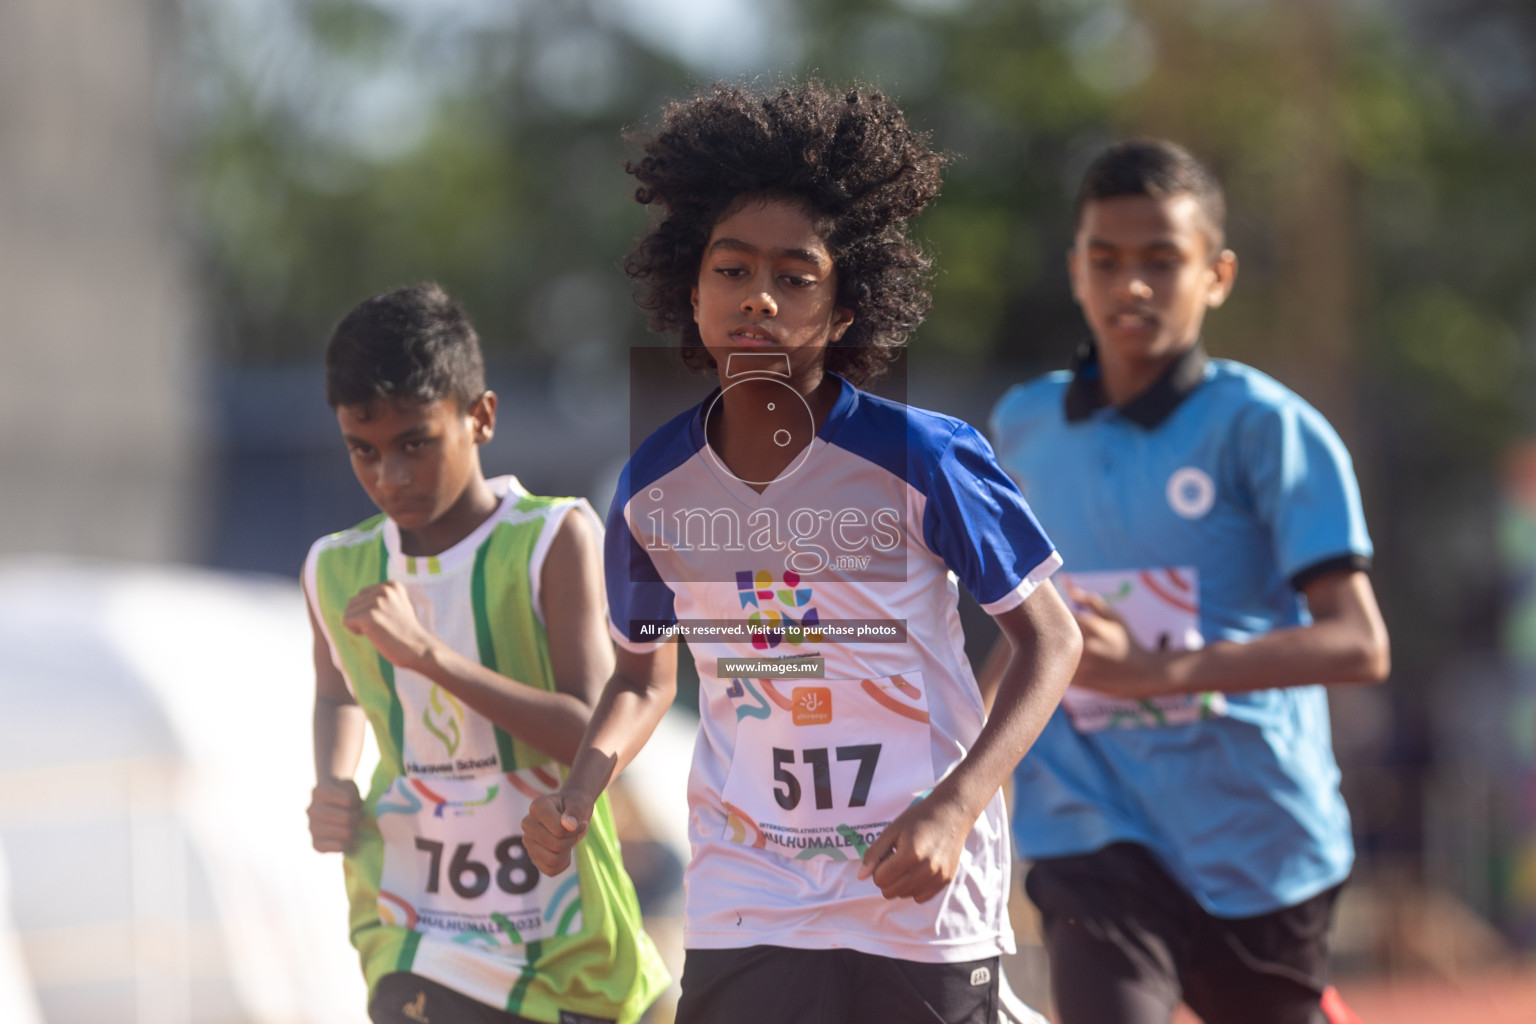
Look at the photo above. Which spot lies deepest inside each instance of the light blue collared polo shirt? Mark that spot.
(1202, 507)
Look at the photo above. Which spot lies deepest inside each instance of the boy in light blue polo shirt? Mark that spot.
(1182, 806)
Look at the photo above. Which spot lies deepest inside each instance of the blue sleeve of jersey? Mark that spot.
(636, 591)
(1302, 484)
(978, 523)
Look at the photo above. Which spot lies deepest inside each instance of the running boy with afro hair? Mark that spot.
(850, 853)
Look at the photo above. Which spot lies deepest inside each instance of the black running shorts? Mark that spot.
(775, 985)
(411, 999)
(1128, 944)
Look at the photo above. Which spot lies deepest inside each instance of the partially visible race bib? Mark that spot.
(821, 767)
(1161, 607)
(455, 865)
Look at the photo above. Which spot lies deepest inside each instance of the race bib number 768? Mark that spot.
(455, 864)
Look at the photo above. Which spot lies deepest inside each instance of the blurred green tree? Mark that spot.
(1377, 182)
(342, 147)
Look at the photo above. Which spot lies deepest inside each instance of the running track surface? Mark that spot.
(1505, 997)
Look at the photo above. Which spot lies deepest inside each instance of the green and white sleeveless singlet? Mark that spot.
(439, 881)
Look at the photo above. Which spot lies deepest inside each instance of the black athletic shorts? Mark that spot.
(776, 985)
(1127, 944)
(403, 998)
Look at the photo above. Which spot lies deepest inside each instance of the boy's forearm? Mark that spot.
(338, 735)
(1026, 697)
(548, 720)
(1327, 652)
(1044, 655)
(626, 716)
(1345, 643)
(991, 674)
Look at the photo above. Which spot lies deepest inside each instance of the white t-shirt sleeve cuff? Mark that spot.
(1015, 597)
(645, 647)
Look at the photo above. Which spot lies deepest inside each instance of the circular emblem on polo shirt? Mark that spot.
(1191, 492)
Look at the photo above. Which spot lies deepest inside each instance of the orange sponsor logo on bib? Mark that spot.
(812, 705)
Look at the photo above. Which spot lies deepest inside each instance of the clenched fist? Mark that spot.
(554, 824)
(334, 807)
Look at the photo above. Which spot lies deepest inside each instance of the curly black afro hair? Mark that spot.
(860, 170)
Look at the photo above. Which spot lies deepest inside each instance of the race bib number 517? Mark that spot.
(825, 765)
(455, 864)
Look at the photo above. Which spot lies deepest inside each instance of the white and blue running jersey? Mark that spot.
(1198, 510)
(853, 556)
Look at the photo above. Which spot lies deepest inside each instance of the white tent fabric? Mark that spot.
(156, 755)
(17, 1003)
(155, 763)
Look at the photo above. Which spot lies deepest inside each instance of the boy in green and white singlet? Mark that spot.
(466, 625)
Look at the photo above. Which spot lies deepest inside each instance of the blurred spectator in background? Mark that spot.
(1182, 807)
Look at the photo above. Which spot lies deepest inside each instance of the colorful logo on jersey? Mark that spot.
(758, 588)
(771, 623)
(743, 829)
(443, 718)
(394, 911)
(1171, 587)
(897, 695)
(767, 700)
(565, 906)
(400, 798)
(534, 782)
(397, 799)
(852, 839)
(1191, 492)
(740, 688)
(811, 705)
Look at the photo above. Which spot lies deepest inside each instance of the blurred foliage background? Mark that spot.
(1378, 158)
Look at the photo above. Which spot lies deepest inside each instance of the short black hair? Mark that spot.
(412, 344)
(1156, 168)
(849, 157)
